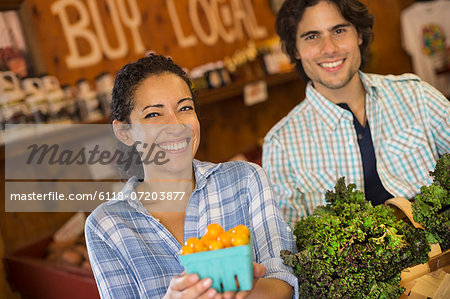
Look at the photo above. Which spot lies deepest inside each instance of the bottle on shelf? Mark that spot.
(223, 72)
(36, 99)
(198, 78)
(104, 84)
(88, 102)
(13, 109)
(72, 107)
(58, 104)
(212, 75)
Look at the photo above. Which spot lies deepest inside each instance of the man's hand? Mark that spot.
(258, 271)
(189, 286)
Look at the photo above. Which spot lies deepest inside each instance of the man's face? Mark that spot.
(328, 47)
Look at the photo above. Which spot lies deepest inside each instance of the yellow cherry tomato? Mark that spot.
(215, 245)
(241, 229)
(186, 250)
(214, 230)
(240, 239)
(225, 239)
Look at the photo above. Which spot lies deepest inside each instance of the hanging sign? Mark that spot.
(105, 34)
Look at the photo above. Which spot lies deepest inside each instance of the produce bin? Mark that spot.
(33, 277)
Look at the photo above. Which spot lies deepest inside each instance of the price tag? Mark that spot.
(255, 93)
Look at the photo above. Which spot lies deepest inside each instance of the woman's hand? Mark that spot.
(189, 286)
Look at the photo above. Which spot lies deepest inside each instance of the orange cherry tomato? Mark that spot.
(215, 245)
(217, 238)
(192, 242)
(241, 229)
(240, 239)
(206, 240)
(186, 250)
(200, 246)
(214, 230)
(225, 239)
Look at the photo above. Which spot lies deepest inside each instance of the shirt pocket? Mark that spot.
(408, 155)
(408, 140)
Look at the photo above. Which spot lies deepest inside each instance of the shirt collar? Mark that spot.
(202, 170)
(331, 113)
(369, 85)
(327, 111)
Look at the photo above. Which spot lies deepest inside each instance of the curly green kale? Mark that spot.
(350, 249)
(431, 207)
(441, 172)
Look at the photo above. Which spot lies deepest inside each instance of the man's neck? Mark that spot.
(353, 94)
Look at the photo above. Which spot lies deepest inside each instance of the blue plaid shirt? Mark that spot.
(316, 143)
(134, 256)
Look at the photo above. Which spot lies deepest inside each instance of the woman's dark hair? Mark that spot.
(127, 81)
(292, 12)
(129, 78)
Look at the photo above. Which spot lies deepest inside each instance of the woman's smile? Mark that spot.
(176, 146)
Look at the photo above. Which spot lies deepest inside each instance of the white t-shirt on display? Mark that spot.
(425, 30)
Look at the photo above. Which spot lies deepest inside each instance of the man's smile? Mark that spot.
(333, 65)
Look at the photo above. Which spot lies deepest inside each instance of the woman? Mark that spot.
(134, 244)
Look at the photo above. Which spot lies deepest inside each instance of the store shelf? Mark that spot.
(236, 89)
(10, 4)
(205, 97)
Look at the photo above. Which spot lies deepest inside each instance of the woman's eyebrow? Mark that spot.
(153, 106)
(161, 105)
(184, 99)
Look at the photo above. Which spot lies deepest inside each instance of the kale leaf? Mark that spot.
(431, 207)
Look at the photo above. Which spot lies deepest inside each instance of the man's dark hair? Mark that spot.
(292, 12)
(127, 81)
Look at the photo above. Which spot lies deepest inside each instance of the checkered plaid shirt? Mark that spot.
(316, 143)
(134, 256)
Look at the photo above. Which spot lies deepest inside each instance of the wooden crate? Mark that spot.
(428, 280)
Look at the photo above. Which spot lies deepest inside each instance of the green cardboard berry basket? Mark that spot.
(223, 266)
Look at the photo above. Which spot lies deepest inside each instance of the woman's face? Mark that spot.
(164, 116)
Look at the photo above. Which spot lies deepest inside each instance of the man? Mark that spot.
(383, 133)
